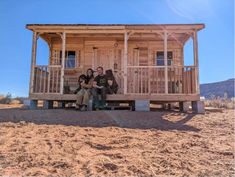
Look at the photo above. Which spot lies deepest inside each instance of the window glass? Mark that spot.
(160, 58)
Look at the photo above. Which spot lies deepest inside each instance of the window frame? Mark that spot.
(169, 60)
(67, 57)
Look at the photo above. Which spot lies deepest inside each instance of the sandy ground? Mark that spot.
(115, 143)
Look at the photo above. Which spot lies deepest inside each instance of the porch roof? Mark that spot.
(151, 32)
(36, 27)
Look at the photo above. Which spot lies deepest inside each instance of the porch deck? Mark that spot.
(121, 97)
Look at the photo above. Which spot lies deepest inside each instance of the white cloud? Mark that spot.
(191, 9)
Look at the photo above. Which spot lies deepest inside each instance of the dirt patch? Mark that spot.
(117, 143)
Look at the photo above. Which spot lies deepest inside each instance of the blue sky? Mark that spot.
(216, 41)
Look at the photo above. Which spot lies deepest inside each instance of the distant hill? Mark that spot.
(218, 89)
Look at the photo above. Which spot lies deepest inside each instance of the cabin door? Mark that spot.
(104, 58)
(110, 59)
(140, 57)
(138, 75)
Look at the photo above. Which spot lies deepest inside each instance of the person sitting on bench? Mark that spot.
(112, 86)
(99, 88)
(84, 90)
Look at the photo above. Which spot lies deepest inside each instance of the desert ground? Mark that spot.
(65, 142)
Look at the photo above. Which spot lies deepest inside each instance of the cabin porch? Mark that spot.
(131, 51)
(145, 83)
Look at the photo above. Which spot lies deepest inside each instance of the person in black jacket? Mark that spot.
(112, 86)
(100, 84)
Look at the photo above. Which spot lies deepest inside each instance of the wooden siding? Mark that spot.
(108, 53)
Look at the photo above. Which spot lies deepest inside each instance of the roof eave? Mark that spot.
(38, 27)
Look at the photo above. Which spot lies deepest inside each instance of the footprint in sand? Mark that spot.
(114, 156)
(110, 166)
(99, 146)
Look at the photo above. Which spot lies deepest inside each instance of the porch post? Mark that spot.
(195, 54)
(94, 62)
(165, 62)
(33, 61)
(125, 57)
(62, 63)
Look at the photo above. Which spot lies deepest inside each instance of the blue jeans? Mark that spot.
(99, 103)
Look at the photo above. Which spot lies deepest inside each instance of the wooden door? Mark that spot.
(111, 59)
(139, 57)
(105, 58)
(118, 69)
(138, 77)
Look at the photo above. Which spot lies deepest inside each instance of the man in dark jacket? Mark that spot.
(99, 87)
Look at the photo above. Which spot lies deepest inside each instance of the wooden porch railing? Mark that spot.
(47, 79)
(140, 80)
(151, 80)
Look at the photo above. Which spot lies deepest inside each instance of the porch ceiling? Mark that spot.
(151, 32)
(179, 37)
(154, 32)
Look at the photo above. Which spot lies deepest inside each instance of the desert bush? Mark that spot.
(15, 101)
(20, 99)
(220, 102)
(6, 99)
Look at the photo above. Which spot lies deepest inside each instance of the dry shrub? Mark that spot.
(20, 99)
(221, 103)
(5, 99)
(15, 101)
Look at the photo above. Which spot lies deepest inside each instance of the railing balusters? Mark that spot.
(150, 80)
(138, 82)
(187, 80)
(35, 80)
(174, 84)
(45, 78)
(56, 80)
(141, 85)
(48, 80)
(141, 79)
(157, 85)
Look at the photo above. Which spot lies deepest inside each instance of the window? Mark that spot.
(160, 58)
(70, 59)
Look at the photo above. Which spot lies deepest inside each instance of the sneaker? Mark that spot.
(77, 108)
(83, 108)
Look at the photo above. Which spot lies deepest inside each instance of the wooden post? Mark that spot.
(165, 62)
(48, 68)
(33, 61)
(149, 70)
(62, 63)
(94, 59)
(125, 57)
(195, 54)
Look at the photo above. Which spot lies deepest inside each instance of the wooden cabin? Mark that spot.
(147, 61)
